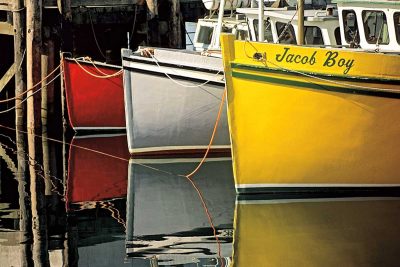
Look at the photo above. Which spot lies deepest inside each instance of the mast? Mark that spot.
(300, 22)
(261, 21)
(219, 24)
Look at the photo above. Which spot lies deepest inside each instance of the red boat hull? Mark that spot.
(94, 176)
(94, 103)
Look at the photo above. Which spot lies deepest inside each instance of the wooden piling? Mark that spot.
(45, 146)
(33, 50)
(176, 18)
(19, 54)
(64, 8)
(21, 175)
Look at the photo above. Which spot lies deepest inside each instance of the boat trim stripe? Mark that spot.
(286, 199)
(175, 148)
(98, 128)
(317, 189)
(319, 75)
(312, 185)
(315, 86)
(162, 64)
(162, 74)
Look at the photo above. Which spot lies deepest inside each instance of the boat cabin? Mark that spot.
(370, 25)
(321, 27)
(206, 31)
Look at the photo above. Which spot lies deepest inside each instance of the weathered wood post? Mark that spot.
(44, 106)
(20, 87)
(19, 52)
(33, 50)
(176, 17)
(64, 8)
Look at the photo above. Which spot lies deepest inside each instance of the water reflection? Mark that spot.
(100, 209)
(165, 216)
(81, 225)
(317, 232)
(97, 169)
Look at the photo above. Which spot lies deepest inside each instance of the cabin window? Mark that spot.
(351, 33)
(241, 35)
(313, 35)
(375, 27)
(226, 29)
(286, 33)
(267, 30)
(205, 35)
(396, 18)
(338, 38)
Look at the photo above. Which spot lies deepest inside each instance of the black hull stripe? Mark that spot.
(152, 63)
(178, 77)
(318, 75)
(314, 85)
(258, 193)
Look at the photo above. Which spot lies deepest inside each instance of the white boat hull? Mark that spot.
(174, 113)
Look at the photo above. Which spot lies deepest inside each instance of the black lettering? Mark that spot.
(280, 57)
(330, 60)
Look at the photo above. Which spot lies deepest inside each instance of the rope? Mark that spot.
(95, 66)
(286, 27)
(98, 76)
(94, 35)
(207, 212)
(33, 87)
(173, 80)
(40, 171)
(38, 90)
(108, 205)
(212, 136)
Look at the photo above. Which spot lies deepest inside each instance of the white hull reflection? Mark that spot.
(166, 218)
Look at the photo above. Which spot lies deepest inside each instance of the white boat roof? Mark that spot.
(368, 3)
(287, 14)
(232, 20)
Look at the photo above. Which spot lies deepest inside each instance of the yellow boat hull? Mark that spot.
(295, 126)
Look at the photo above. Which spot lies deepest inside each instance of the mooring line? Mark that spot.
(33, 87)
(208, 214)
(212, 135)
(95, 75)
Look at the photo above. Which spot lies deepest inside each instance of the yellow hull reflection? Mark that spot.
(319, 232)
(312, 125)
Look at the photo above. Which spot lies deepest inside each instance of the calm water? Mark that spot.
(102, 209)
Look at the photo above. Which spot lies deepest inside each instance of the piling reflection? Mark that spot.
(166, 220)
(84, 220)
(317, 232)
